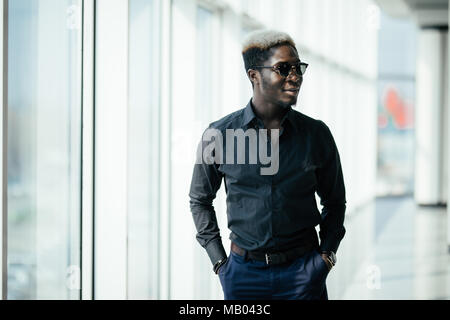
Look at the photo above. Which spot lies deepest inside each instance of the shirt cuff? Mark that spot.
(332, 241)
(215, 250)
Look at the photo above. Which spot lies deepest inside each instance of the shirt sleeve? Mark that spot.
(206, 181)
(331, 190)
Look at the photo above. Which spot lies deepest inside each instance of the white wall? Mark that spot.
(430, 93)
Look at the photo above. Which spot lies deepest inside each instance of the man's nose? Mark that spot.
(294, 76)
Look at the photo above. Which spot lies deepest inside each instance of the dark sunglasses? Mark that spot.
(284, 68)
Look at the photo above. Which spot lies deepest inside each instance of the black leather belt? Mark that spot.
(275, 257)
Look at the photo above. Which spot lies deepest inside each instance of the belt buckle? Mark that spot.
(268, 259)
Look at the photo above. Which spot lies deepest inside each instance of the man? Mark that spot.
(275, 251)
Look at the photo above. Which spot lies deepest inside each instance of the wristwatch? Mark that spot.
(218, 264)
(331, 257)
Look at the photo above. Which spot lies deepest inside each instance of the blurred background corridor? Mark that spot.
(104, 101)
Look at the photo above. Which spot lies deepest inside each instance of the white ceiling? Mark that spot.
(423, 12)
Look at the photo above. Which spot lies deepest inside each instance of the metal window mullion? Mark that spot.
(87, 211)
(164, 216)
(448, 138)
(4, 147)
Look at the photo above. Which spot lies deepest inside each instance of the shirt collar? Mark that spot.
(249, 115)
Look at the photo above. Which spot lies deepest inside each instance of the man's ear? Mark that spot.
(254, 76)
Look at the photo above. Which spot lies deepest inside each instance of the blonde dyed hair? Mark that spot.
(266, 39)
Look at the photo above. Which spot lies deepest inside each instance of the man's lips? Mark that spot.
(292, 91)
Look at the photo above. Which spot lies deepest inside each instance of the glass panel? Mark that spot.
(204, 107)
(204, 69)
(396, 94)
(143, 164)
(44, 149)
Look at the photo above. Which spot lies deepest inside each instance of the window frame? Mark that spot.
(4, 147)
(4, 43)
(87, 143)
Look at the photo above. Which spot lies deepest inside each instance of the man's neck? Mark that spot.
(268, 112)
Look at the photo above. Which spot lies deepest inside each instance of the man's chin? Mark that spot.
(287, 104)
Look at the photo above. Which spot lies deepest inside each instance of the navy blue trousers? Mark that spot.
(300, 279)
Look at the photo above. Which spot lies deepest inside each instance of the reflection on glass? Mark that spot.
(143, 151)
(44, 149)
(396, 95)
(395, 137)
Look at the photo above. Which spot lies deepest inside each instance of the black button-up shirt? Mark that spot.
(273, 212)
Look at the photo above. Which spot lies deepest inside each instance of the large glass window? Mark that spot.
(207, 109)
(204, 68)
(143, 151)
(44, 149)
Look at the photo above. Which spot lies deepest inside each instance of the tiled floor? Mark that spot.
(410, 258)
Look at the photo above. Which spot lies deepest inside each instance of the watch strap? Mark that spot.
(331, 257)
(218, 264)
